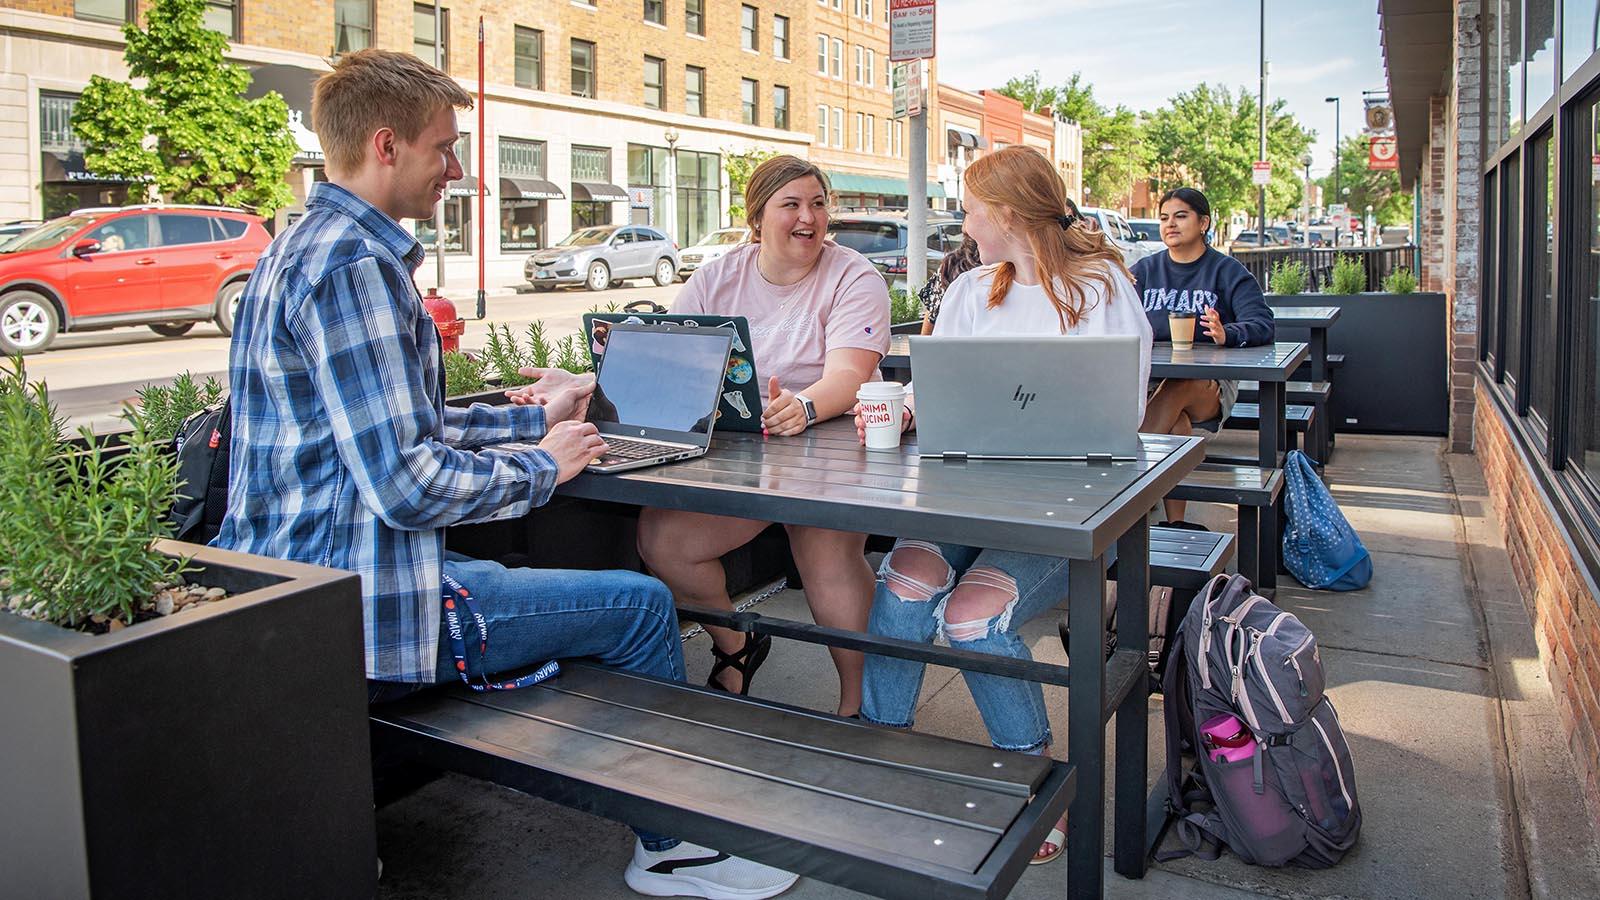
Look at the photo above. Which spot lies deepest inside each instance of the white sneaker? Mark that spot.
(690, 870)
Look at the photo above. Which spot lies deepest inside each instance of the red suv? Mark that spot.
(163, 266)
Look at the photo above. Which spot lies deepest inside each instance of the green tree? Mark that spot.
(1031, 92)
(1113, 148)
(187, 133)
(740, 167)
(1363, 186)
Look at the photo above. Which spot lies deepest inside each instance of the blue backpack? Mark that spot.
(1320, 549)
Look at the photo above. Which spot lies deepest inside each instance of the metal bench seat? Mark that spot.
(1181, 558)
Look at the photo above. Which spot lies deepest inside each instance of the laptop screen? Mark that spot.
(661, 379)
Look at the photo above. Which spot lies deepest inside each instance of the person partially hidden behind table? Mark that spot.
(1192, 277)
(1044, 273)
(819, 323)
(344, 454)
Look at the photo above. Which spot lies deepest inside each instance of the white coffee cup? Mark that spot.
(883, 405)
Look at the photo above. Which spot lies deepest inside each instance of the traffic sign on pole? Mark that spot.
(1261, 173)
(911, 32)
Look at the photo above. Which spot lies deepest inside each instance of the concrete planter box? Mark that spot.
(906, 327)
(219, 752)
(1395, 378)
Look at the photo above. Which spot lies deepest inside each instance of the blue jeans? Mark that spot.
(1013, 709)
(616, 618)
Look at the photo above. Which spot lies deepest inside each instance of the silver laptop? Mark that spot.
(1051, 398)
(656, 395)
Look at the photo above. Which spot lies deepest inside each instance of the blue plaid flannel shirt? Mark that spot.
(343, 452)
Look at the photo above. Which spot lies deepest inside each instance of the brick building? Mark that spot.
(1496, 105)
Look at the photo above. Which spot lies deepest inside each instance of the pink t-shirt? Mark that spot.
(842, 304)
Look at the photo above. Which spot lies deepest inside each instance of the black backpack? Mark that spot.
(202, 450)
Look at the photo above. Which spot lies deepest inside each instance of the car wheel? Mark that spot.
(228, 306)
(665, 272)
(172, 329)
(599, 276)
(544, 288)
(28, 323)
(617, 282)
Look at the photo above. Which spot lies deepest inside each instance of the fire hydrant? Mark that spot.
(445, 319)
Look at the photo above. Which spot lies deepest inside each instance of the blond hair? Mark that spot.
(1031, 199)
(372, 89)
(768, 179)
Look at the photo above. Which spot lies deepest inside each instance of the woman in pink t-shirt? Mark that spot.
(819, 323)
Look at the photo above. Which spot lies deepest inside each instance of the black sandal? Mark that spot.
(746, 660)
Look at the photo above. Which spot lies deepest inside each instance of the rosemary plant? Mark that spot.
(166, 407)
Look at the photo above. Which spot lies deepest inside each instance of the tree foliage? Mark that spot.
(1380, 188)
(740, 166)
(1113, 154)
(187, 133)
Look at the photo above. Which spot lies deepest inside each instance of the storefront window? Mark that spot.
(67, 185)
(523, 221)
(459, 204)
(1511, 268)
(1490, 313)
(1579, 36)
(102, 10)
(591, 164)
(1541, 262)
(1510, 64)
(647, 170)
(1539, 52)
(1585, 274)
(699, 195)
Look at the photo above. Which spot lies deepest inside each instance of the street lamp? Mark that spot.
(1337, 195)
(1306, 237)
(671, 212)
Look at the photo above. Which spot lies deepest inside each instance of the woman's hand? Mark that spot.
(1211, 321)
(784, 415)
(861, 426)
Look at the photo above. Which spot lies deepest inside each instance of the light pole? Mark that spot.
(1337, 195)
(438, 209)
(1261, 130)
(1305, 239)
(671, 212)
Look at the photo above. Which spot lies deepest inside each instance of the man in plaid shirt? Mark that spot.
(344, 454)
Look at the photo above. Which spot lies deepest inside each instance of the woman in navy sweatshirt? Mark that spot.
(1192, 277)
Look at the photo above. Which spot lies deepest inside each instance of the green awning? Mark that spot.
(853, 183)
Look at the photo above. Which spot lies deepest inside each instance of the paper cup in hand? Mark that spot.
(883, 405)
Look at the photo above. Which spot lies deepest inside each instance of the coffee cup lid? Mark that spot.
(881, 390)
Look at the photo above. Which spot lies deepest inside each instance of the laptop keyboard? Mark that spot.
(626, 449)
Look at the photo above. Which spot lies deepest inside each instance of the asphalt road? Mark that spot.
(91, 375)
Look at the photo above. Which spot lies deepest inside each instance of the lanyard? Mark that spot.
(454, 593)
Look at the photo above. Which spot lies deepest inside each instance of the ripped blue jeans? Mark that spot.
(977, 599)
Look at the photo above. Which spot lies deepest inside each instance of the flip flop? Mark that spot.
(1056, 838)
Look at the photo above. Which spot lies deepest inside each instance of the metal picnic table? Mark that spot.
(1077, 510)
(1317, 320)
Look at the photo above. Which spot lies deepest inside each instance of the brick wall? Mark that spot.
(1565, 613)
(1463, 188)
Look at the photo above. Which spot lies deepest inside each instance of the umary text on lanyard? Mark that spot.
(456, 597)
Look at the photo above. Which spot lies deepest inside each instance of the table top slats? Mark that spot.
(1305, 316)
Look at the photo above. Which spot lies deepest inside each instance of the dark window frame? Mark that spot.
(694, 17)
(129, 12)
(369, 29)
(592, 73)
(750, 108)
(660, 87)
(660, 8)
(780, 112)
(781, 42)
(749, 31)
(443, 31)
(699, 94)
(536, 35)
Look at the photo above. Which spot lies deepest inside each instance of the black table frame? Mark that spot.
(1097, 690)
(1316, 320)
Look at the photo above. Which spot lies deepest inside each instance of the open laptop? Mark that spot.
(1046, 398)
(656, 394)
(742, 399)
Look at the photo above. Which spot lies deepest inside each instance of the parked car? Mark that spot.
(603, 256)
(10, 230)
(1116, 228)
(714, 245)
(167, 267)
(881, 238)
(1246, 240)
(1147, 234)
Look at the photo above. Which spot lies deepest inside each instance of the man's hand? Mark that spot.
(563, 395)
(573, 445)
(1211, 321)
(784, 414)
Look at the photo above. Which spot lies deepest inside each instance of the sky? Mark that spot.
(1140, 52)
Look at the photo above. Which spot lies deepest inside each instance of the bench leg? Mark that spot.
(1272, 433)
(1086, 738)
(1133, 601)
(1250, 544)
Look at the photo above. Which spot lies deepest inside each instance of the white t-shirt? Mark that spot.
(1027, 311)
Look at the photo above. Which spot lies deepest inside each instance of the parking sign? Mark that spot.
(910, 29)
(1261, 173)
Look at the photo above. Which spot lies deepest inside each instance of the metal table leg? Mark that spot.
(1133, 633)
(1086, 743)
(1319, 354)
(1271, 430)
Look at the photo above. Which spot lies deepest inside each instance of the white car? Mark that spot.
(1147, 233)
(1116, 228)
(713, 245)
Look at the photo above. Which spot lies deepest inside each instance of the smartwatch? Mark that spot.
(809, 407)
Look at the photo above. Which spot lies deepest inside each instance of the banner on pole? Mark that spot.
(1382, 154)
(911, 32)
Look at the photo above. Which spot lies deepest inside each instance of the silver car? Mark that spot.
(1121, 236)
(604, 256)
(714, 245)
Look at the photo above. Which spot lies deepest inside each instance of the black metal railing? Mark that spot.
(1377, 261)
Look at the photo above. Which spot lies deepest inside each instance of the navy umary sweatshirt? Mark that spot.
(1213, 280)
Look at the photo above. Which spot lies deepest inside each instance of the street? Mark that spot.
(92, 374)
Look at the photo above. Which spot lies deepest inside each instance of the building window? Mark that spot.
(523, 221)
(699, 195)
(1539, 53)
(1585, 293)
(871, 132)
(859, 73)
(866, 10)
(655, 11)
(583, 80)
(222, 16)
(118, 11)
(352, 26)
(1511, 268)
(647, 170)
(861, 132)
(423, 35)
(822, 123)
(749, 111)
(780, 107)
(529, 58)
(780, 37)
(458, 209)
(872, 66)
(822, 54)
(694, 90)
(67, 186)
(1542, 333)
(694, 17)
(655, 78)
(592, 164)
(1579, 36)
(838, 127)
(838, 58)
(748, 16)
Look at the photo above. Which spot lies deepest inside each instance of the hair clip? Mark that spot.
(1068, 220)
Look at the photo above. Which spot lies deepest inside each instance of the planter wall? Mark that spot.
(1395, 378)
(219, 752)
(906, 327)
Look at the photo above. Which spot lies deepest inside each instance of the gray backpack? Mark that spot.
(1282, 792)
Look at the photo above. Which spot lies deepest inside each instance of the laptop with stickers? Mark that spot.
(740, 400)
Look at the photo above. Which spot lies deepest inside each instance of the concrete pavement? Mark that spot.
(1465, 780)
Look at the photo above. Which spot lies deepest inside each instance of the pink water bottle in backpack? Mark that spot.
(1227, 739)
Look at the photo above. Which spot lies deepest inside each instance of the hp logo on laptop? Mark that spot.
(1023, 398)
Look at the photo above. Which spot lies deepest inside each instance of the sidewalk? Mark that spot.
(1465, 779)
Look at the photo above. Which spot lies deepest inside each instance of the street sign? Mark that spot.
(1382, 154)
(1336, 210)
(1594, 167)
(911, 32)
(1261, 173)
(909, 89)
(901, 95)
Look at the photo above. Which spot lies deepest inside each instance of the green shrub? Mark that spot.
(504, 354)
(463, 374)
(1349, 276)
(904, 307)
(1288, 277)
(79, 525)
(1400, 281)
(165, 407)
